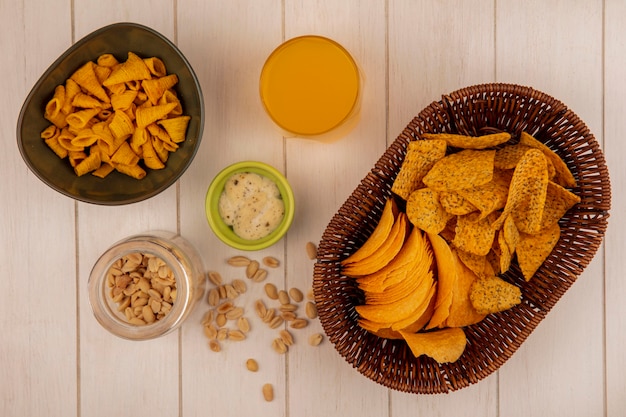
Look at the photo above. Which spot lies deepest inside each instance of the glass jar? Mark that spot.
(183, 261)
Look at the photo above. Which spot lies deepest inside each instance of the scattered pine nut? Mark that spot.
(238, 261)
(311, 250)
(271, 262)
(268, 392)
(252, 365)
(315, 339)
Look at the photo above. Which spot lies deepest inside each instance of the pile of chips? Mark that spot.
(473, 206)
(110, 115)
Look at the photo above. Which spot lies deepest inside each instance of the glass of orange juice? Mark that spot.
(310, 87)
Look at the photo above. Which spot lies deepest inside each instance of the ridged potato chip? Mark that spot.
(385, 253)
(378, 236)
(462, 312)
(447, 275)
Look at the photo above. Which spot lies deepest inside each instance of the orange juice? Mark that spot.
(310, 85)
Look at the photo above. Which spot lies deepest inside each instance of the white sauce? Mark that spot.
(252, 205)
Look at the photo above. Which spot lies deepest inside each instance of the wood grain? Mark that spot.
(560, 367)
(38, 317)
(57, 360)
(615, 286)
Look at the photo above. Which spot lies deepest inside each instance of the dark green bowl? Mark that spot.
(115, 189)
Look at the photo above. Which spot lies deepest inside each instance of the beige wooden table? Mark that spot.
(55, 360)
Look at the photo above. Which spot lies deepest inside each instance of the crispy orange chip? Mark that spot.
(93, 118)
(53, 110)
(150, 157)
(421, 155)
(425, 212)
(90, 163)
(476, 263)
(121, 125)
(155, 87)
(133, 69)
(454, 203)
(156, 66)
(134, 171)
(470, 142)
(417, 315)
(508, 156)
(563, 175)
(447, 272)
(386, 251)
(378, 236)
(558, 201)
(65, 141)
(464, 169)
(80, 119)
(490, 196)
(462, 312)
(414, 251)
(527, 193)
(474, 234)
(124, 155)
(493, 294)
(151, 114)
(75, 157)
(532, 250)
(445, 345)
(400, 309)
(504, 252)
(104, 170)
(123, 101)
(71, 90)
(531, 184)
(375, 328)
(175, 126)
(422, 320)
(85, 138)
(86, 77)
(107, 60)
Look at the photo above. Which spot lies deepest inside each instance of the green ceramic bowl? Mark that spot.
(115, 189)
(224, 232)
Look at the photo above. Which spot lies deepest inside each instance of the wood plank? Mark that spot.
(228, 50)
(115, 373)
(615, 287)
(430, 54)
(323, 174)
(59, 361)
(556, 47)
(37, 249)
